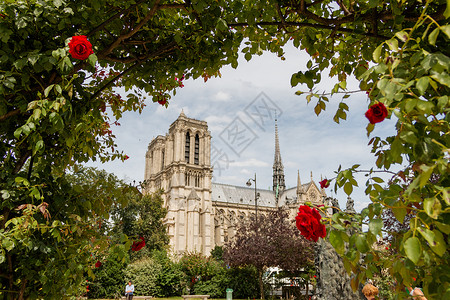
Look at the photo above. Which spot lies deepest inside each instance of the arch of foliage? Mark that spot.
(53, 117)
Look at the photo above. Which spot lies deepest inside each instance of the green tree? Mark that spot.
(109, 274)
(271, 241)
(142, 216)
(170, 278)
(204, 274)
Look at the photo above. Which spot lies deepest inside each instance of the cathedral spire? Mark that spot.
(278, 169)
(299, 184)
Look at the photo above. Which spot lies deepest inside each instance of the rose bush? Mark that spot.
(308, 222)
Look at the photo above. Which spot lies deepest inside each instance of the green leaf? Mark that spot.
(375, 226)
(432, 207)
(439, 246)
(18, 132)
(361, 243)
(370, 127)
(47, 90)
(248, 56)
(446, 30)
(7, 244)
(435, 240)
(413, 249)
(317, 108)
(445, 228)
(399, 213)
(57, 3)
(447, 10)
(425, 175)
(433, 36)
(377, 54)
(92, 59)
(38, 146)
(21, 23)
(422, 84)
(402, 36)
(222, 25)
(294, 79)
(33, 58)
(336, 241)
(348, 188)
(442, 78)
(392, 44)
(20, 63)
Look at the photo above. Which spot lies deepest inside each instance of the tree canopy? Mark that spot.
(55, 112)
(270, 241)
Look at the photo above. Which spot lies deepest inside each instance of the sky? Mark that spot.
(245, 100)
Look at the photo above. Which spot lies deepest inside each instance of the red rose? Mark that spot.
(80, 47)
(138, 245)
(324, 183)
(376, 113)
(126, 157)
(98, 264)
(162, 102)
(308, 222)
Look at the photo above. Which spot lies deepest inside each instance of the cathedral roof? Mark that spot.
(234, 194)
(241, 195)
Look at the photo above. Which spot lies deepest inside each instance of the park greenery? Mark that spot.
(56, 109)
(271, 241)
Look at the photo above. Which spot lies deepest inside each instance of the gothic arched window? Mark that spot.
(196, 152)
(187, 147)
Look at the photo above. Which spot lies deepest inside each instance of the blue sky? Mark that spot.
(308, 143)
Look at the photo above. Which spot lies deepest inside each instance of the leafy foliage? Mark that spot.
(144, 275)
(142, 217)
(204, 274)
(244, 281)
(170, 277)
(109, 277)
(273, 241)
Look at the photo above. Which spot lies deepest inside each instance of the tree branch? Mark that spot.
(21, 161)
(129, 34)
(22, 288)
(10, 114)
(299, 24)
(117, 15)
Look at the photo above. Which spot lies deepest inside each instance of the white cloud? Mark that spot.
(221, 96)
(249, 163)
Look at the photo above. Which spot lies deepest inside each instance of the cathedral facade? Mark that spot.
(202, 214)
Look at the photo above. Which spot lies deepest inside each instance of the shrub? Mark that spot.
(144, 274)
(244, 282)
(170, 277)
(109, 277)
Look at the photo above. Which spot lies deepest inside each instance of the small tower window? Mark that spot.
(196, 152)
(197, 180)
(188, 178)
(187, 147)
(162, 160)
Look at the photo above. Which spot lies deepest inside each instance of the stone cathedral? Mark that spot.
(202, 214)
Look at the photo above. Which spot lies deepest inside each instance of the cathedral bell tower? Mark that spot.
(278, 169)
(179, 163)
